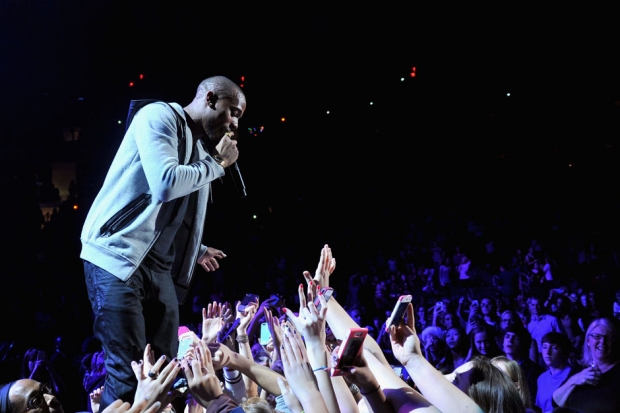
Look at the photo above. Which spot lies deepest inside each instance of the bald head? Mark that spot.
(222, 87)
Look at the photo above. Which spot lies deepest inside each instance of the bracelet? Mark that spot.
(370, 392)
(320, 368)
(243, 339)
(354, 389)
(219, 160)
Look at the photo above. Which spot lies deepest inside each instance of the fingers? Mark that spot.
(323, 301)
(302, 295)
(169, 373)
(307, 277)
(410, 319)
(291, 317)
(137, 370)
(149, 355)
(295, 346)
(282, 384)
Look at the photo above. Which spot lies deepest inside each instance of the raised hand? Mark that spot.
(245, 316)
(212, 322)
(276, 331)
(310, 322)
(359, 373)
(404, 340)
(227, 314)
(326, 266)
(289, 397)
(297, 369)
(202, 382)
(153, 384)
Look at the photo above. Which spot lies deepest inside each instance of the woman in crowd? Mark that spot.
(483, 343)
(458, 343)
(595, 388)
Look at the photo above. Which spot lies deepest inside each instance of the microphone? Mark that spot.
(238, 180)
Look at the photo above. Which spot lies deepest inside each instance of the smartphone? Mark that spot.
(399, 311)
(265, 334)
(184, 344)
(475, 302)
(439, 305)
(350, 349)
(327, 293)
(249, 298)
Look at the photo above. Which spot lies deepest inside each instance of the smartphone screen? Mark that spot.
(327, 293)
(350, 349)
(399, 310)
(265, 334)
(184, 345)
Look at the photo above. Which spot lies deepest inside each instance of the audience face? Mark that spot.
(486, 307)
(448, 320)
(453, 338)
(29, 395)
(600, 342)
(482, 341)
(553, 355)
(421, 313)
(512, 344)
(356, 315)
(534, 306)
(508, 318)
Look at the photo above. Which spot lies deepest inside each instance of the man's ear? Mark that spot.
(211, 99)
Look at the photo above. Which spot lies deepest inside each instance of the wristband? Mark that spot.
(370, 392)
(320, 368)
(221, 162)
(243, 339)
(354, 389)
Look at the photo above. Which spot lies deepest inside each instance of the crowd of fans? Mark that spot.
(527, 324)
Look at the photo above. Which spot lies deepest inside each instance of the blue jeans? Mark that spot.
(128, 315)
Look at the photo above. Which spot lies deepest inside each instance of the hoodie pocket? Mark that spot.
(126, 215)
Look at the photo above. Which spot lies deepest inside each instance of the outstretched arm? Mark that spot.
(338, 319)
(311, 326)
(299, 374)
(433, 385)
(263, 376)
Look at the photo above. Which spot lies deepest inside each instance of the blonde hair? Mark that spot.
(514, 372)
(257, 405)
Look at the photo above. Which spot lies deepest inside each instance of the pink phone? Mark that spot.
(399, 311)
(350, 349)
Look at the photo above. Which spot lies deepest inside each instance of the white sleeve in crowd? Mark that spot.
(234, 385)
